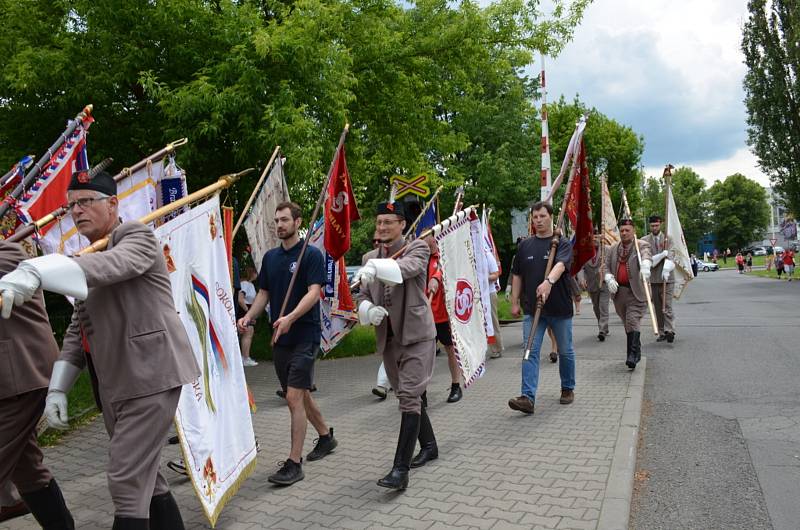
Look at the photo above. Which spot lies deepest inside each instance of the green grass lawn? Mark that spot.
(768, 274)
(81, 409)
(504, 308)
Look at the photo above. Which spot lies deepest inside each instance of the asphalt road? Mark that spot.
(720, 444)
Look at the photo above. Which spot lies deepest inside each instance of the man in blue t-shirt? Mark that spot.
(529, 282)
(296, 334)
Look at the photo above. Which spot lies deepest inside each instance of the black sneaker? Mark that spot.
(661, 338)
(281, 394)
(324, 446)
(289, 473)
(177, 466)
(670, 336)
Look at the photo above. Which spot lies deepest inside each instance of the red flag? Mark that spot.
(340, 209)
(579, 210)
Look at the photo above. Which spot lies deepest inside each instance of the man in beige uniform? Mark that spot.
(589, 279)
(139, 349)
(625, 278)
(395, 288)
(27, 354)
(663, 279)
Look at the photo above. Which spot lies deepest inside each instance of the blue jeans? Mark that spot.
(562, 327)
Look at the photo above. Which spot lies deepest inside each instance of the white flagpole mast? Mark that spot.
(546, 183)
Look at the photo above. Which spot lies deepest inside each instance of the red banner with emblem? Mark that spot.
(340, 209)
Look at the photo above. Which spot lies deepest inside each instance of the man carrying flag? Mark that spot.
(140, 352)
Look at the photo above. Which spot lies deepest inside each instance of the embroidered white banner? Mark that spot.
(260, 222)
(213, 417)
(462, 291)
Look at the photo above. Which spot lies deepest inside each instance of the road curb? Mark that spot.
(616, 508)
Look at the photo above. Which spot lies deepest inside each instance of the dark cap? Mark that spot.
(655, 218)
(395, 208)
(86, 180)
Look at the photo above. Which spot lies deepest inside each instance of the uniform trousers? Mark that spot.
(20, 456)
(629, 309)
(410, 369)
(138, 429)
(664, 316)
(498, 337)
(600, 306)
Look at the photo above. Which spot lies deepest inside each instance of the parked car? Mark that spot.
(707, 266)
(755, 251)
(351, 271)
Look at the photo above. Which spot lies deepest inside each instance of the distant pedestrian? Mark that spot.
(788, 263)
(694, 265)
(740, 262)
(749, 262)
(779, 264)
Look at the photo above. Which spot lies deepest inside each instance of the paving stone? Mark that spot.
(496, 468)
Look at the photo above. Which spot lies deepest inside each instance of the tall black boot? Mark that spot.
(130, 523)
(636, 346)
(48, 507)
(630, 361)
(397, 478)
(164, 513)
(427, 442)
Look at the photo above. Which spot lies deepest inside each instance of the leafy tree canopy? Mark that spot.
(740, 211)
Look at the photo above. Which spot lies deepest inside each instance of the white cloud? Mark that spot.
(742, 161)
(670, 69)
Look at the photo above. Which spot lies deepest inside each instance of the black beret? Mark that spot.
(102, 182)
(395, 208)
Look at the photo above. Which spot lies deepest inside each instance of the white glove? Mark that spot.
(58, 274)
(384, 269)
(611, 283)
(669, 266)
(370, 314)
(645, 268)
(658, 257)
(16, 288)
(366, 274)
(55, 406)
(55, 409)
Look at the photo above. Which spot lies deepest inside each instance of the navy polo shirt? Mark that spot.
(277, 267)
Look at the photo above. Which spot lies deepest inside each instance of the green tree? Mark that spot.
(691, 200)
(740, 212)
(610, 146)
(771, 45)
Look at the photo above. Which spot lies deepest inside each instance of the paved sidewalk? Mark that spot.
(496, 469)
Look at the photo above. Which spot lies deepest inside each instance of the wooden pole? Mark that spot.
(313, 218)
(29, 229)
(158, 155)
(45, 159)
(224, 181)
(435, 197)
(645, 282)
(667, 191)
(253, 195)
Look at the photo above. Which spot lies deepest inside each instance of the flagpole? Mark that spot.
(256, 189)
(601, 266)
(546, 173)
(158, 155)
(224, 181)
(459, 197)
(430, 231)
(313, 218)
(667, 191)
(424, 210)
(645, 282)
(43, 160)
(33, 227)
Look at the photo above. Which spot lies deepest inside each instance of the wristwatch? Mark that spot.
(551, 282)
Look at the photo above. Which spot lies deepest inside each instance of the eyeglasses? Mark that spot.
(84, 203)
(387, 222)
(376, 241)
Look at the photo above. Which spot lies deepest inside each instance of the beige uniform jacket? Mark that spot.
(137, 342)
(27, 347)
(634, 274)
(657, 245)
(410, 313)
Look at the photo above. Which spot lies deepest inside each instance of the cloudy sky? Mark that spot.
(670, 69)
